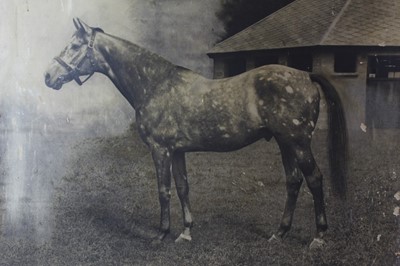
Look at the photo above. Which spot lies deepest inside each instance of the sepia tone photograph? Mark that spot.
(213, 132)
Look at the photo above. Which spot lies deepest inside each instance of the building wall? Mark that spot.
(350, 86)
(353, 87)
(219, 68)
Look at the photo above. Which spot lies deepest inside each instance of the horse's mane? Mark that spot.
(98, 30)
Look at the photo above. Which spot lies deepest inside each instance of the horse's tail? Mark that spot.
(337, 137)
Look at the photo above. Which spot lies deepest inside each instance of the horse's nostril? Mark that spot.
(47, 77)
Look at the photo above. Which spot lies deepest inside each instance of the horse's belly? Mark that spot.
(222, 143)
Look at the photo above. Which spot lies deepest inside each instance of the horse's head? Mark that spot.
(76, 60)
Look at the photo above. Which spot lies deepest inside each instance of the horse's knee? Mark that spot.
(164, 194)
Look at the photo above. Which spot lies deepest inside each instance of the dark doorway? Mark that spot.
(383, 92)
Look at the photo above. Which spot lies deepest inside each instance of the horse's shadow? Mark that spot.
(122, 223)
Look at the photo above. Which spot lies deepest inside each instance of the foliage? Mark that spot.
(239, 14)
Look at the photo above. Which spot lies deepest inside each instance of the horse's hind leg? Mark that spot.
(313, 177)
(294, 180)
(297, 157)
(182, 187)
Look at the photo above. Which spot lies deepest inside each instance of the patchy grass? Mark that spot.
(106, 210)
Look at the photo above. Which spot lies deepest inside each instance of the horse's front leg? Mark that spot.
(162, 161)
(182, 187)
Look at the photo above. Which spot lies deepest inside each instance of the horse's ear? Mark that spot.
(82, 26)
(76, 23)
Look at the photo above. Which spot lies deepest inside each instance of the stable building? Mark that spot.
(354, 43)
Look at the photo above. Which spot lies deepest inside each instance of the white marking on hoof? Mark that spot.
(182, 238)
(274, 238)
(317, 243)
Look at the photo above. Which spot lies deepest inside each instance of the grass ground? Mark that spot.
(106, 210)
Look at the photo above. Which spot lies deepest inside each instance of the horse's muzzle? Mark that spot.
(54, 85)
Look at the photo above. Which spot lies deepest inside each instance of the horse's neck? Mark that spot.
(135, 71)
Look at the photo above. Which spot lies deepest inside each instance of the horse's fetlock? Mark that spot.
(323, 227)
(285, 225)
(321, 222)
(188, 224)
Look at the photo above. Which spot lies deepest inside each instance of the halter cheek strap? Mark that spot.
(73, 72)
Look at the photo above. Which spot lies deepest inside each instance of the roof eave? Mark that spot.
(380, 46)
(210, 54)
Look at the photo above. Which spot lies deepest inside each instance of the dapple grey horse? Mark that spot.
(179, 111)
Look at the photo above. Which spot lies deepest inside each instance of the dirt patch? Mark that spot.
(106, 209)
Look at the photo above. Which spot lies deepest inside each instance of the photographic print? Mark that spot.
(215, 132)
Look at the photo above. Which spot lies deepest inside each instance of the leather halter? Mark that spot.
(73, 72)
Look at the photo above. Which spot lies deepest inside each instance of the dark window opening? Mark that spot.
(301, 61)
(235, 66)
(266, 60)
(384, 67)
(345, 62)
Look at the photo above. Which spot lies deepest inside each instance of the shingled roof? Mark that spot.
(305, 23)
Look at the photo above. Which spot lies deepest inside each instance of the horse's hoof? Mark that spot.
(183, 238)
(274, 238)
(317, 243)
(159, 238)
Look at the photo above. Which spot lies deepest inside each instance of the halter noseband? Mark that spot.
(73, 72)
